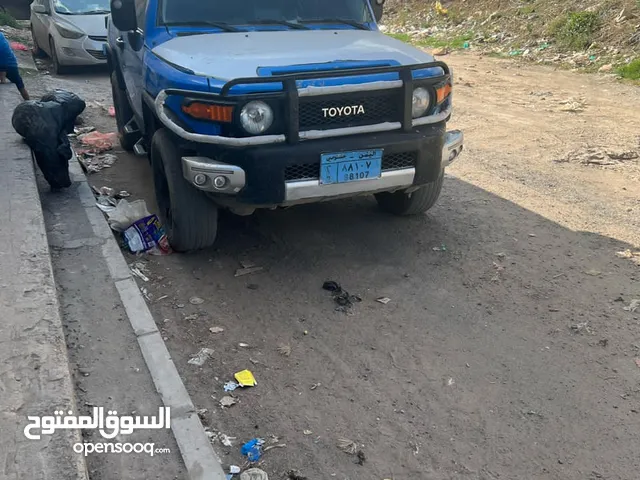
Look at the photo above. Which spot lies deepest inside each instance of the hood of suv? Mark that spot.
(227, 56)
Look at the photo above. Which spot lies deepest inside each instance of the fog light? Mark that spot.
(452, 155)
(200, 179)
(220, 182)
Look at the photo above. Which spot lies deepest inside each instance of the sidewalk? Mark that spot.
(34, 369)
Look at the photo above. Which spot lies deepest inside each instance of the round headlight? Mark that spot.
(421, 102)
(256, 117)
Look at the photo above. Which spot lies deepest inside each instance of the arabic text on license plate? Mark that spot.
(350, 166)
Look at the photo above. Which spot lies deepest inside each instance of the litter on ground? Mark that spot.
(284, 350)
(247, 271)
(196, 301)
(245, 379)
(347, 446)
(201, 357)
(227, 401)
(254, 474)
(230, 386)
(216, 329)
(383, 300)
(99, 142)
(253, 449)
(633, 306)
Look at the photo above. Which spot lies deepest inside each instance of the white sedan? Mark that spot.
(71, 32)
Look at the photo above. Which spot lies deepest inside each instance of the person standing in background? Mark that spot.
(9, 67)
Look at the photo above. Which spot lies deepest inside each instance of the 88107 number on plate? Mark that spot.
(350, 166)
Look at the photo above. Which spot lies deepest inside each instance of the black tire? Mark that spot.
(37, 51)
(124, 114)
(57, 68)
(402, 203)
(190, 218)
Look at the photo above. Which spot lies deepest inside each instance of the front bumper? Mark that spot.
(260, 176)
(80, 52)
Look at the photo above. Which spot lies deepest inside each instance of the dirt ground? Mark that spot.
(505, 351)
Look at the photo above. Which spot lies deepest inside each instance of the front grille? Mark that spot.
(97, 38)
(97, 54)
(310, 171)
(396, 161)
(379, 107)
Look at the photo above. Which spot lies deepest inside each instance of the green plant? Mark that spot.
(631, 70)
(575, 30)
(8, 20)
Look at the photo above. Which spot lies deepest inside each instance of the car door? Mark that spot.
(132, 44)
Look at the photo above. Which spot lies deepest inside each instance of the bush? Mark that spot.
(8, 20)
(631, 70)
(575, 30)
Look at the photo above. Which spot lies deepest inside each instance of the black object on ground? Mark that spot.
(44, 125)
(343, 299)
(293, 475)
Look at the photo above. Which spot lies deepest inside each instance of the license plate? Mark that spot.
(346, 167)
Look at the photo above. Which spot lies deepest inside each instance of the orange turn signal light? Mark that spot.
(208, 111)
(443, 92)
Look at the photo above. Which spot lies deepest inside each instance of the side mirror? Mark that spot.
(41, 9)
(378, 8)
(123, 15)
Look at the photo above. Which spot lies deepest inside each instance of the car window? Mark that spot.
(81, 7)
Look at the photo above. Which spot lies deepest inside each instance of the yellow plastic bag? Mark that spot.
(245, 379)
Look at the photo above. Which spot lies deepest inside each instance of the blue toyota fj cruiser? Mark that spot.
(245, 104)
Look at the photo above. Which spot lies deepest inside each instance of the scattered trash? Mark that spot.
(245, 379)
(126, 213)
(598, 156)
(226, 440)
(243, 345)
(580, 327)
(201, 357)
(440, 51)
(440, 10)
(628, 254)
(307, 432)
(196, 301)
(441, 248)
(99, 142)
(340, 296)
(253, 449)
(137, 269)
(202, 412)
(606, 68)
(314, 386)
(593, 273)
(247, 271)
(361, 457)
(147, 234)
(227, 401)
(112, 111)
(234, 469)
(93, 164)
(254, 474)
(572, 105)
(192, 317)
(284, 350)
(293, 475)
(466, 45)
(633, 306)
(19, 46)
(347, 446)
(216, 329)
(83, 130)
(383, 300)
(271, 447)
(230, 386)
(450, 382)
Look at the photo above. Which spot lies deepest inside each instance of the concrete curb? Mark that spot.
(195, 448)
(35, 379)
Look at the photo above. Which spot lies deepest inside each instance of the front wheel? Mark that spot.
(189, 217)
(58, 69)
(414, 203)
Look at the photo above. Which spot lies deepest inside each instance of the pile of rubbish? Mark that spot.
(141, 230)
(45, 126)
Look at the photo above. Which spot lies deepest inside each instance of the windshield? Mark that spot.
(245, 12)
(81, 7)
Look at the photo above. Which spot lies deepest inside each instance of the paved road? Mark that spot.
(505, 351)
